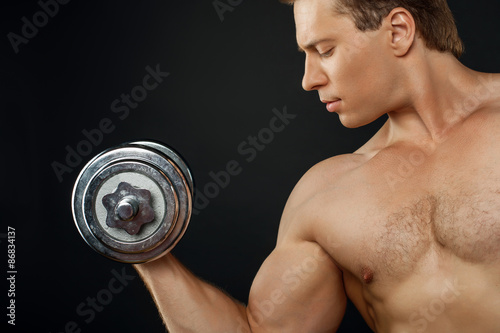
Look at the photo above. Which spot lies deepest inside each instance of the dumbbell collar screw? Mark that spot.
(128, 208)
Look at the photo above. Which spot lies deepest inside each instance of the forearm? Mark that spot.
(188, 304)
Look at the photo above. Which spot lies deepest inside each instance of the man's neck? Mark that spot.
(439, 90)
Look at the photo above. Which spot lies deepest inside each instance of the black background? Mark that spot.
(225, 79)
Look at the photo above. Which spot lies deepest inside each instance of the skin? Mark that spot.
(407, 227)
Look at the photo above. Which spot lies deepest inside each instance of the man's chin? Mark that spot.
(350, 122)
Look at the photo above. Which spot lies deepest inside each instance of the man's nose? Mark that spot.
(314, 77)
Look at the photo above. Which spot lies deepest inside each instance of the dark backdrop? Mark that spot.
(227, 74)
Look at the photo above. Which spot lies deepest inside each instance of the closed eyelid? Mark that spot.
(326, 50)
(314, 44)
(327, 54)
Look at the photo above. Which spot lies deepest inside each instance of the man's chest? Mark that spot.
(463, 223)
(447, 205)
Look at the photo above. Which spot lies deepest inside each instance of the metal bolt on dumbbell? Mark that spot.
(133, 203)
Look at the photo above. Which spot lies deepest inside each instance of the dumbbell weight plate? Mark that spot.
(144, 179)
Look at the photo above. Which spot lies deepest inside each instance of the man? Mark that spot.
(408, 226)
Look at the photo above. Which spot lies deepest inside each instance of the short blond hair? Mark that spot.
(433, 19)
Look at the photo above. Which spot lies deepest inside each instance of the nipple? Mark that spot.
(367, 274)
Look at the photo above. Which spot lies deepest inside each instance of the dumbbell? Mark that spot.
(132, 203)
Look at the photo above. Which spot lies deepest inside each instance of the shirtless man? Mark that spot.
(408, 226)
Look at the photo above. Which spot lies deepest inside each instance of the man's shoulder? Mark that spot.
(483, 103)
(333, 167)
(484, 121)
(306, 202)
(323, 177)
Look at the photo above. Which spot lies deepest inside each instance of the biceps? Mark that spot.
(298, 288)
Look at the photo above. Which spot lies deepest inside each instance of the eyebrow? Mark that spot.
(312, 44)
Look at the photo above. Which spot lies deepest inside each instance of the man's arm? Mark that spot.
(298, 289)
(188, 304)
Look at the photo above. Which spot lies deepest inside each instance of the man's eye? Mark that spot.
(326, 54)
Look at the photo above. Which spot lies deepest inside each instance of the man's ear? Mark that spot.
(402, 30)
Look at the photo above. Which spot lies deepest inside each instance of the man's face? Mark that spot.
(354, 68)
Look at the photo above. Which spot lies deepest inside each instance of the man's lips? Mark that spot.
(332, 106)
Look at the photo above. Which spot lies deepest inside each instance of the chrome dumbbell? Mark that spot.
(133, 203)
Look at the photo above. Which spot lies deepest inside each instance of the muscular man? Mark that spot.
(408, 226)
